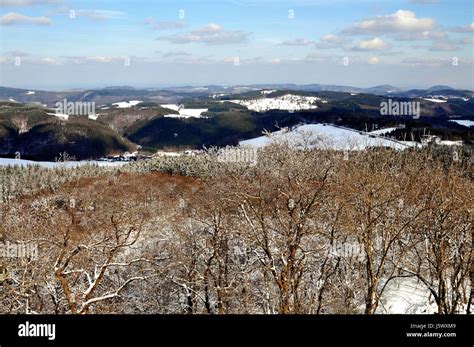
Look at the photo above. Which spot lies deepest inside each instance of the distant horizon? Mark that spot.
(166, 86)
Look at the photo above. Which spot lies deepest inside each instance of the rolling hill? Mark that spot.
(127, 117)
(37, 135)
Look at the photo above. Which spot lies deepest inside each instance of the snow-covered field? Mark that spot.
(265, 92)
(412, 144)
(435, 100)
(173, 107)
(184, 112)
(127, 104)
(465, 122)
(66, 116)
(451, 143)
(324, 136)
(441, 98)
(59, 115)
(50, 164)
(406, 296)
(288, 102)
(382, 131)
(218, 95)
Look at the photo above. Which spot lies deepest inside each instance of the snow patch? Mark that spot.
(184, 112)
(464, 122)
(127, 104)
(218, 95)
(451, 143)
(59, 115)
(288, 102)
(382, 131)
(265, 92)
(435, 100)
(173, 107)
(51, 164)
(406, 296)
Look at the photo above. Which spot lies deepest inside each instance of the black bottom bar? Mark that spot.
(142, 330)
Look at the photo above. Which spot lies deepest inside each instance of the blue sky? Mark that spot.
(56, 44)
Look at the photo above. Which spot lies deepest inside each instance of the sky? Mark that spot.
(64, 44)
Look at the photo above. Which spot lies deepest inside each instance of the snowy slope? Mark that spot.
(406, 296)
(324, 136)
(188, 113)
(184, 112)
(465, 122)
(173, 107)
(286, 102)
(127, 104)
(439, 101)
(59, 115)
(49, 164)
(382, 131)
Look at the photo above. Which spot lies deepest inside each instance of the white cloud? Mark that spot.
(332, 38)
(400, 21)
(229, 59)
(426, 61)
(210, 28)
(468, 28)
(105, 59)
(436, 62)
(99, 14)
(375, 44)
(374, 60)
(96, 59)
(467, 40)
(211, 34)
(165, 25)
(25, 57)
(253, 60)
(26, 3)
(297, 43)
(50, 61)
(13, 18)
(194, 60)
(424, 35)
(332, 41)
(175, 54)
(170, 25)
(17, 53)
(318, 58)
(445, 46)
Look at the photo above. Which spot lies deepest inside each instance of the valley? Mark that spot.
(126, 119)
